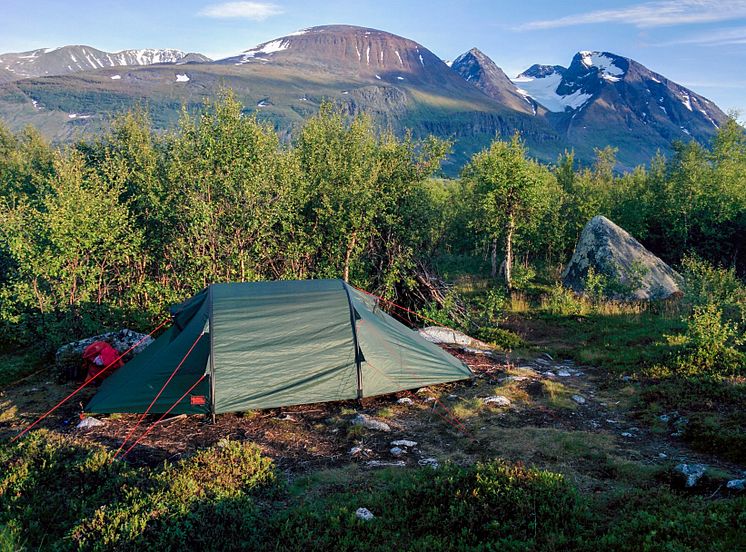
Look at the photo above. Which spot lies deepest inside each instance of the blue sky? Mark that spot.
(698, 43)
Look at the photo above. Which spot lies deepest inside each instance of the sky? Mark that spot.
(698, 43)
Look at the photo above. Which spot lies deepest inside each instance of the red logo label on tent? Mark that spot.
(198, 400)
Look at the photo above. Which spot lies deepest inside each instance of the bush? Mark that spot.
(705, 284)
(710, 344)
(563, 302)
(504, 339)
(491, 506)
(61, 495)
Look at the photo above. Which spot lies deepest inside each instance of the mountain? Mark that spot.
(600, 99)
(606, 99)
(399, 82)
(475, 67)
(73, 59)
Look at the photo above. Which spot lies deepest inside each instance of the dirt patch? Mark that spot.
(561, 416)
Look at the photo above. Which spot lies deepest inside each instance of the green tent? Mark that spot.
(270, 344)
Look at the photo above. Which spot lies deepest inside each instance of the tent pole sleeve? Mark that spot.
(354, 339)
(212, 358)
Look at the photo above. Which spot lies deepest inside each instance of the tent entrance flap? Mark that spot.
(274, 344)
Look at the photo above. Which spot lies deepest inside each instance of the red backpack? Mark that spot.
(100, 356)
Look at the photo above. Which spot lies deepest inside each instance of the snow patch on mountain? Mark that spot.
(544, 91)
(266, 48)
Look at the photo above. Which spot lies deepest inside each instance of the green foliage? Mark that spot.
(512, 197)
(110, 233)
(562, 301)
(711, 344)
(60, 495)
(487, 506)
(659, 520)
(500, 337)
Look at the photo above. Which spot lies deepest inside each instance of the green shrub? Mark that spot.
(491, 506)
(504, 339)
(657, 519)
(562, 302)
(711, 344)
(61, 495)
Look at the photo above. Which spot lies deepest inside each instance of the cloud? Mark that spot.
(651, 14)
(715, 37)
(256, 11)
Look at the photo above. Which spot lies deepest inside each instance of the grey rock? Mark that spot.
(563, 373)
(89, 422)
(736, 485)
(516, 378)
(364, 514)
(614, 253)
(370, 423)
(662, 455)
(430, 462)
(69, 357)
(627, 434)
(497, 400)
(692, 472)
(447, 336)
(404, 443)
(397, 451)
(382, 464)
(579, 399)
(405, 400)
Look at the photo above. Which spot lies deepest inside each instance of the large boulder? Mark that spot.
(630, 271)
(69, 358)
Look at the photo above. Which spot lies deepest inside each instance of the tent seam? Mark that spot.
(355, 341)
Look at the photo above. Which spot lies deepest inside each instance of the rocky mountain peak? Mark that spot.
(477, 68)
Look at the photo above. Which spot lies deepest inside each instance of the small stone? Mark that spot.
(430, 462)
(664, 418)
(370, 423)
(382, 464)
(405, 400)
(692, 472)
(662, 455)
(397, 451)
(736, 485)
(404, 443)
(516, 378)
(356, 451)
(627, 434)
(89, 422)
(364, 514)
(453, 397)
(497, 400)
(563, 373)
(578, 399)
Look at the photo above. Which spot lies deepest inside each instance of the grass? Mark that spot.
(15, 366)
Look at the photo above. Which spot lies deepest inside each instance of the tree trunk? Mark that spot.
(348, 254)
(493, 273)
(509, 251)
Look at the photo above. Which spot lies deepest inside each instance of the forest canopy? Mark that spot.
(109, 232)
